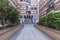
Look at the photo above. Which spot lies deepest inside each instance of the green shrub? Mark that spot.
(8, 13)
(43, 21)
(52, 20)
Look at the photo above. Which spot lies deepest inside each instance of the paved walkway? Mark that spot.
(29, 32)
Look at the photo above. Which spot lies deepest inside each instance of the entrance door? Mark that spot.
(28, 19)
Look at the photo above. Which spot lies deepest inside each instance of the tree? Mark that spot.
(3, 5)
(8, 13)
(13, 15)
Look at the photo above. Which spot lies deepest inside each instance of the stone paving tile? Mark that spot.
(29, 32)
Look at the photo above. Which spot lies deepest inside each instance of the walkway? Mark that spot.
(29, 32)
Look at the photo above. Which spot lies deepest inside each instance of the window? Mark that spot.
(50, 9)
(35, 8)
(31, 8)
(24, 16)
(21, 0)
(51, 5)
(28, 1)
(26, 7)
(20, 16)
(58, 4)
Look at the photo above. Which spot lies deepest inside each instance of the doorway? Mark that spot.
(28, 19)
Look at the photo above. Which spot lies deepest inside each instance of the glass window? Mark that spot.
(21, 0)
(35, 8)
(31, 8)
(20, 16)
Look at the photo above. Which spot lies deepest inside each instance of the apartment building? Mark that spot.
(47, 6)
(20, 5)
(43, 7)
(27, 8)
(34, 9)
(57, 5)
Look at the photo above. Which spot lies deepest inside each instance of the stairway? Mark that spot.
(28, 21)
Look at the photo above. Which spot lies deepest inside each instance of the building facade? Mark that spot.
(47, 6)
(43, 7)
(34, 9)
(21, 7)
(27, 8)
(57, 5)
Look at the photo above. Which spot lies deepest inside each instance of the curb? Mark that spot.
(12, 28)
(54, 34)
(8, 34)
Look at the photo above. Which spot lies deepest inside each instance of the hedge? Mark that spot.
(52, 20)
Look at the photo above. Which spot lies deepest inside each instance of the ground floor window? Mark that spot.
(28, 16)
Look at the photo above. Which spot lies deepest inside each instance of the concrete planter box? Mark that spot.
(54, 34)
(7, 34)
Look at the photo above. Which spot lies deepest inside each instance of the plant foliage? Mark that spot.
(52, 20)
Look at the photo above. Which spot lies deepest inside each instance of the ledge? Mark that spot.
(6, 35)
(54, 34)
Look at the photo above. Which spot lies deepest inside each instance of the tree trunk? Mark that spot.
(3, 20)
